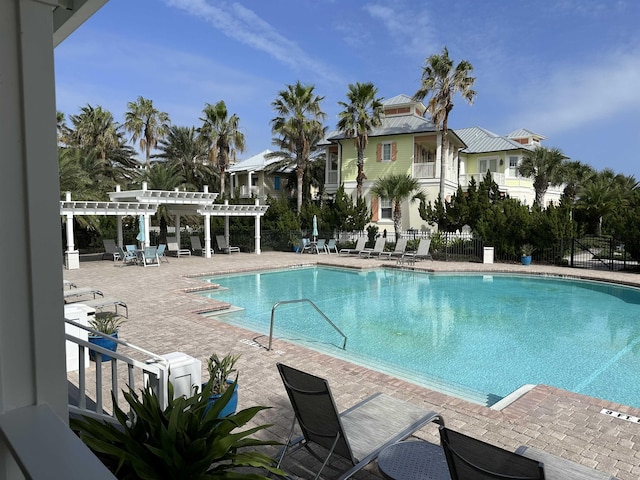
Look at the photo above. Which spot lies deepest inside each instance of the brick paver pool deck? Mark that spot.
(162, 319)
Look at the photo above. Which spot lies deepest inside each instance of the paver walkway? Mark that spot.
(162, 320)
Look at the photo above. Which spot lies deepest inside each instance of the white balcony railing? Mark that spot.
(246, 192)
(424, 170)
(499, 178)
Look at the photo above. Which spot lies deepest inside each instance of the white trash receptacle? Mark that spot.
(487, 256)
(185, 372)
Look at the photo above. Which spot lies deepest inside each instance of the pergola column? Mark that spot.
(226, 225)
(147, 232)
(120, 239)
(257, 230)
(176, 222)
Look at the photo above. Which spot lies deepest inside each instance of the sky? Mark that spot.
(566, 69)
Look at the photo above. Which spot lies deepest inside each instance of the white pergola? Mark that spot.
(146, 202)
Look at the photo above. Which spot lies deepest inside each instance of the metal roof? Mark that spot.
(524, 133)
(253, 164)
(395, 125)
(480, 140)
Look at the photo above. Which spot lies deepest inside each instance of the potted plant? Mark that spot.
(187, 439)
(220, 371)
(526, 251)
(108, 324)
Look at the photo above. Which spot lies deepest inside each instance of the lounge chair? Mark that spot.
(196, 246)
(358, 434)
(319, 246)
(360, 244)
(469, 458)
(401, 246)
(331, 246)
(558, 468)
(70, 294)
(110, 250)
(100, 303)
(377, 250)
(174, 250)
(223, 246)
(305, 246)
(68, 284)
(127, 257)
(161, 253)
(149, 257)
(421, 253)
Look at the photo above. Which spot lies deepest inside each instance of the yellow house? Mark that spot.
(405, 143)
(501, 155)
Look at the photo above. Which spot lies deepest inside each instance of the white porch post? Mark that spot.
(119, 231)
(257, 231)
(147, 226)
(176, 222)
(207, 235)
(226, 225)
(32, 343)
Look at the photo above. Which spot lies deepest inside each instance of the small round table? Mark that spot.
(413, 460)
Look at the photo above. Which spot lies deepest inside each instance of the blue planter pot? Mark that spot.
(103, 342)
(230, 408)
(526, 259)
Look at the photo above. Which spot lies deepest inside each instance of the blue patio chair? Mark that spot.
(127, 257)
(149, 257)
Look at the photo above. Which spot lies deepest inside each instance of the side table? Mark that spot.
(413, 460)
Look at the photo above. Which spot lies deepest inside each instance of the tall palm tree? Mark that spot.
(223, 136)
(186, 154)
(95, 128)
(163, 176)
(599, 197)
(363, 113)
(398, 188)
(442, 81)
(298, 126)
(547, 166)
(147, 123)
(576, 174)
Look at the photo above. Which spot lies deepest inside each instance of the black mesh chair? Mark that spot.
(472, 459)
(358, 434)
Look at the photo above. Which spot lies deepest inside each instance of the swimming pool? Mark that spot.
(476, 336)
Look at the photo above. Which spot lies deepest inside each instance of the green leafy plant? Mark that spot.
(184, 440)
(220, 369)
(527, 249)
(106, 322)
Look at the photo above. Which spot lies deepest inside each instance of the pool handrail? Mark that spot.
(301, 300)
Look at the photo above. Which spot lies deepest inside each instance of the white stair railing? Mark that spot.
(124, 370)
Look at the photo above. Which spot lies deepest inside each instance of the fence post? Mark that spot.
(573, 250)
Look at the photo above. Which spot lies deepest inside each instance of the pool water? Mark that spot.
(476, 336)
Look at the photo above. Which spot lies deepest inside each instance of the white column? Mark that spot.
(257, 231)
(119, 231)
(32, 346)
(207, 235)
(226, 225)
(176, 222)
(147, 227)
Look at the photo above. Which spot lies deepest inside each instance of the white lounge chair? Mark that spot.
(70, 294)
(401, 246)
(196, 245)
(360, 244)
(377, 249)
(174, 250)
(421, 253)
(223, 246)
(110, 250)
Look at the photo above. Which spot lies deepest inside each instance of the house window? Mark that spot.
(276, 183)
(386, 209)
(386, 152)
(513, 166)
(485, 164)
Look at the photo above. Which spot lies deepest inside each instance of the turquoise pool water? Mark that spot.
(476, 336)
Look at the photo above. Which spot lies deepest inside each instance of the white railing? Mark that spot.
(424, 170)
(124, 369)
(499, 178)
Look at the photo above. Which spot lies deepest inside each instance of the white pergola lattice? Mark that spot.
(146, 202)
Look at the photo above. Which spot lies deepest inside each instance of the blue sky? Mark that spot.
(567, 69)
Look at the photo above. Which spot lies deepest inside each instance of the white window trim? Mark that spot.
(382, 159)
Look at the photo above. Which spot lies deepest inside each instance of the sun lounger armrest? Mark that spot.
(557, 468)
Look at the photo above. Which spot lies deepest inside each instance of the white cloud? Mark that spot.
(575, 96)
(243, 25)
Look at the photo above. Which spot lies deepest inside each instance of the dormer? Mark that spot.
(526, 137)
(403, 105)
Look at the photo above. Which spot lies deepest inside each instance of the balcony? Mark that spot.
(499, 178)
(424, 170)
(248, 192)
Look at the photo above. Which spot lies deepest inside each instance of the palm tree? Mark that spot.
(576, 174)
(363, 113)
(398, 188)
(163, 176)
(599, 197)
(223, 136)
(185, 152)
(547, 166)
(442, 82)
(95, 128)
(298, 126)
(147, 123)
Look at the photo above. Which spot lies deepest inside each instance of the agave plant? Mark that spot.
(184, 440)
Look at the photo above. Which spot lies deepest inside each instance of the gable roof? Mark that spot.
(480, 140)
(524, 133)
(257, 163)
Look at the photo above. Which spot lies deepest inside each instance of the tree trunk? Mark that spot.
(397, 217)
(361, 176)
(300, 175)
